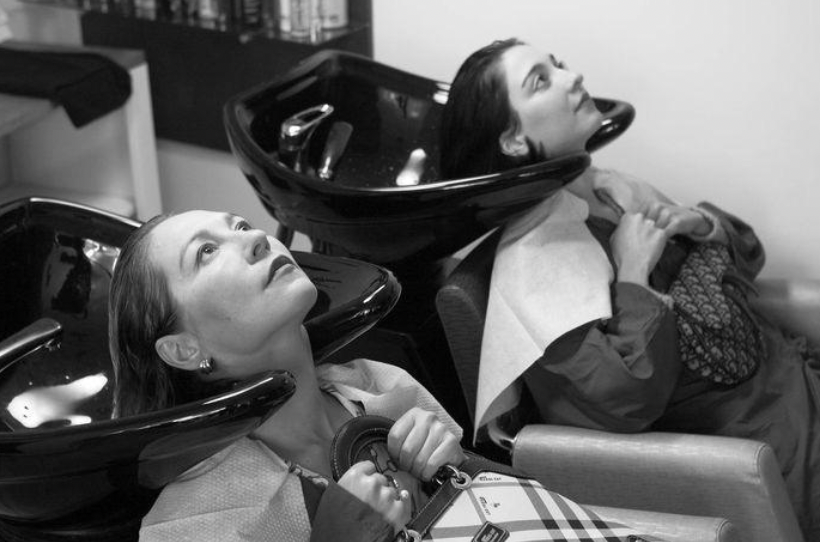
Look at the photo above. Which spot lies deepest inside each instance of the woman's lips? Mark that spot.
(278, 263)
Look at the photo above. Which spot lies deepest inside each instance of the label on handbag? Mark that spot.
(491, 533)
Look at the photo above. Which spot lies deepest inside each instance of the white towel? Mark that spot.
(550, 276)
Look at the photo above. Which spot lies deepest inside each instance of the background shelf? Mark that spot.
(194, 69)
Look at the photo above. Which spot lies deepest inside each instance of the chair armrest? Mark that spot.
(698, 475)
(792, 304)
(671, 527)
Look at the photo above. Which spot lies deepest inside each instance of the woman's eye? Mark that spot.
(540, 81)
(243, 225)
(205, 250)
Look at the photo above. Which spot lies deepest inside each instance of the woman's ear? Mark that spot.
(513, 143)
(180, 350)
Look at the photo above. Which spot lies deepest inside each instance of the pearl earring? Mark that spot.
(206, 365)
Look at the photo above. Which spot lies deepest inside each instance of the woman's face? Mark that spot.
(555, 112)
(238, 290)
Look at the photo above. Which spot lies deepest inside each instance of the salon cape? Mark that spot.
(247, 493)
(549, 276)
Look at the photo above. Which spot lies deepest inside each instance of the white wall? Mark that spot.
(199, 178)
(727, 93)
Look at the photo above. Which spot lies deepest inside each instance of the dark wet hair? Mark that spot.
(140, 311)
(477, 112)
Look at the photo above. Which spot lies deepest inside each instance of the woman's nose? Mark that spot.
(259, 246)
(577, 80)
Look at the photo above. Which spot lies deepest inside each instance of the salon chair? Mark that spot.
(687, 474)
(68, 470)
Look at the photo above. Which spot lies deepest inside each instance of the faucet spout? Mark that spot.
(295, 134)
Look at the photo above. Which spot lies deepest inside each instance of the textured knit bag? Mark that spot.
(481, 500)
(720, 339)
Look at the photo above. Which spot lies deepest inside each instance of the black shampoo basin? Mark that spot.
(365, 211)
(67, 469)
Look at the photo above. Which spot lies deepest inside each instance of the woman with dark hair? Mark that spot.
(477, 99)
(200, 300)
(599, 294)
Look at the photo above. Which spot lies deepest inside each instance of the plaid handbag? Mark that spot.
(719, 337)
(481, 500)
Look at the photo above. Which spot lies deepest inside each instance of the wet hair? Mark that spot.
(477, 112)
(140, 311)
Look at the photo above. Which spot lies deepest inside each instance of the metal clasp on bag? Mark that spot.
(459, 479)
(409, 535)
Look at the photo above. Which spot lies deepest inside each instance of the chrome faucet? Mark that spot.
(295, 134)
(43, 333)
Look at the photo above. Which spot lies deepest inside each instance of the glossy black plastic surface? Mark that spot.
(362, 211)
(65, 465)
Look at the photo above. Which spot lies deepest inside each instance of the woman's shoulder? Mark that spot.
(245, 493)
(242, 451)
(237, 476)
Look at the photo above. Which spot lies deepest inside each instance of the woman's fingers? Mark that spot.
(415, 438)
(420, 462)
(398, 433)
(412, 446)
(447, 452)
(363, 480)
(378, 491)
(421, 444)
(396, 511)
(652, 211)
(664, 218)
(364, 467)
(408, 435)
(676, 219)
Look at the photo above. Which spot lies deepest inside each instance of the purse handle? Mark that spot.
(353, 441)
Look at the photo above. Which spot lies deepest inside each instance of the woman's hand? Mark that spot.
(678, 220)
(365, 482)
(421, 444)
(637, 244)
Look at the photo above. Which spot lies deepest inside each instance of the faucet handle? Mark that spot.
(334, 148)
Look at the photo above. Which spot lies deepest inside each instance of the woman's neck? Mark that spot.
(600, 202)
(303, 428)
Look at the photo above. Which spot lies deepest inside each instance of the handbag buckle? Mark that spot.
(459, 479)
(409, 535)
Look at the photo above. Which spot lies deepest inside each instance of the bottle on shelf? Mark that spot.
(303, 19)
(333, 14)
